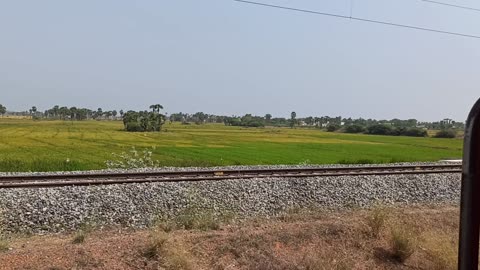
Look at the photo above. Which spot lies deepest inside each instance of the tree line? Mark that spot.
(64, 113)
(393, 127)
(154, 120)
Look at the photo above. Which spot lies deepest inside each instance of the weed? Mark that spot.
(403, 244)
(177, 259)
(376, 220)
(156, 243)
(165, 225)
(199, 215)
(193, 218)
(79, 237)
(133, 160)
(169, 255)
(4, 245)
(305, 162)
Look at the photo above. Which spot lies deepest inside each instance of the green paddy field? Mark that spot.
(27, 145)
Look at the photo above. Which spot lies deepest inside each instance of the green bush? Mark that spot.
(415, 132)
(133, 127)
(354, 129)
(379, 129)
(332, 127)
(446, 133)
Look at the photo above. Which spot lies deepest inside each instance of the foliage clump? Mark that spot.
(144, 121)
(332, 127)
(245, 121)
(381, 129)
(446, 133)
(354, 129)
(3, 109)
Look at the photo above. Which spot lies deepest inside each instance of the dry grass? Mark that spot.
(376, 220)
(442, 250)
(79, 237)
(4, 245)
(198, 219)
(330, 240)
(403, 243)
(155, 244)
(169, 255)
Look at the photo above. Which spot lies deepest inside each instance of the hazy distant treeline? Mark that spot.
(153, 120)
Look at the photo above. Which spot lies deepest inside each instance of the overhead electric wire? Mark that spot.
(450, 5)
(358, 19)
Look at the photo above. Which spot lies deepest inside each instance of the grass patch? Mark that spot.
(441, 249)
(4, 245)
(198, 215)
(27, 145)
(167, 253)
(201, 220)
(17, 165)
(358, 161)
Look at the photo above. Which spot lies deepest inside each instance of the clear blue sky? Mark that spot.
(223, 57)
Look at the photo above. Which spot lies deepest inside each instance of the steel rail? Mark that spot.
(25, 181)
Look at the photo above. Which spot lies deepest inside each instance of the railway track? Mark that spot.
(39, 181)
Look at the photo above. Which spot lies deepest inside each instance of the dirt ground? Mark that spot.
(422, 237)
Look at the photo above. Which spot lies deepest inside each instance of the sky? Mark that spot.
(228, 58)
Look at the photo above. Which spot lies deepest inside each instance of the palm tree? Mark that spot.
(156, 108)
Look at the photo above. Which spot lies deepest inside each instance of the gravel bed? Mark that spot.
(47, 210)
(237, 167)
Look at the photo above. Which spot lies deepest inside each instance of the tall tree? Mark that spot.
(293, 119)
(3, 110)
(156, 108)
(33, 111)
(268, 117)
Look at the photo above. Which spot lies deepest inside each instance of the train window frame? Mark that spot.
(470, 194)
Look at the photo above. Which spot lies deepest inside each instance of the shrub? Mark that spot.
(415, 132)
(376, 220)
(156, 243)
(446, 133)
(169, 256)
(133, 127)
(332, 127)
(379, 129)
(354, 129)
(403, 244)
(79, 237)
